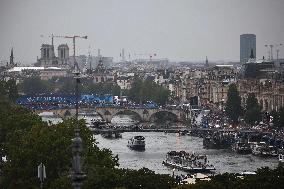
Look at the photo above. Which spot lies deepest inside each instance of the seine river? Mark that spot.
(159, 143)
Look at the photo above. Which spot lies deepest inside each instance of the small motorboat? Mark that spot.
(137, 143)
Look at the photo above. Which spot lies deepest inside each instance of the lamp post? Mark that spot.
(77, 174)
(41, 174)
(174, 172)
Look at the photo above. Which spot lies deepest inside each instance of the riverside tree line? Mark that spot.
(141, 91)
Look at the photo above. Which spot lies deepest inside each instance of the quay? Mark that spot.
(200, 132)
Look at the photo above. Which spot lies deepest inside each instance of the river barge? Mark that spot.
(188, 162)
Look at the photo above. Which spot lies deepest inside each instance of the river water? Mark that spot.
(159, 143)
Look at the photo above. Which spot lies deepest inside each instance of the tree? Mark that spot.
(146, 179)
(26, 141)
(275, 118)
(253, 110)
(9, 90)
(143, 91)
(3, 91)
(281, 117)
(34, 85)
(51, 145)
(265, 178)
(233, 105)
(134, 92)
(12, 90)
(278, 117)
(65, 85)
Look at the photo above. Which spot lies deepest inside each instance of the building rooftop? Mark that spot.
(19, 69)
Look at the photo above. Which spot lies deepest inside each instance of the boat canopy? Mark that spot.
(139, 137)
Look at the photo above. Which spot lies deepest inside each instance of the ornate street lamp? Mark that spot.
(77, 174)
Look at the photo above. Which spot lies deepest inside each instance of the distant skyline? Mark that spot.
(181, 30)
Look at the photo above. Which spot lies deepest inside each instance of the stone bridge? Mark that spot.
(107, 113)
(145, 115)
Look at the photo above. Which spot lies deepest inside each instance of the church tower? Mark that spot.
(12, 64)
(206, 63)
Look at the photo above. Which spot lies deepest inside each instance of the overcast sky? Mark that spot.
(176, 29)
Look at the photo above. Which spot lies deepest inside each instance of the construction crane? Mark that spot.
(270, 53)
(53, 36)
(277, 49)
(271, 50)
(74, 44)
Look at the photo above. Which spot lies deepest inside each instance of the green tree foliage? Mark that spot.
(281, 117)
(264, 179)
(14, 123)
(233, 104)
(12, 90)
(34, 85)
(146, 179)
(253, 110)
(26, 141)
(134, 93)
(89, 87)
(51, 145)
(3, 91)
(278, 117)
(143, 91)
(65, 85)
(9, 90)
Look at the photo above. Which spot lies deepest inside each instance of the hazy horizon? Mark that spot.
(181, 30)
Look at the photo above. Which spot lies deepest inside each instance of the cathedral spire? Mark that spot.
(206, 62)
(12, 57)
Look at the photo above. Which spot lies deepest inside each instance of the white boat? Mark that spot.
(47, 114)
(193, 178)
(281, 156)
(98, 123)
(264, 150)
(137, 143)
(188, 162)
(241, 147)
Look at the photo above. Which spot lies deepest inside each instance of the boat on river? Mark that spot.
(137, 143)
(98, 123)
(281, 156)
(218, 140)
(188, 162)
(242, 147)
(264, 150)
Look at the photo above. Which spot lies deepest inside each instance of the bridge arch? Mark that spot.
(107, 113)
(171, 114)
(121, 111)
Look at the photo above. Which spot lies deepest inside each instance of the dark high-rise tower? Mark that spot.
(12, 58)
(206, 62)
(247, 43)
